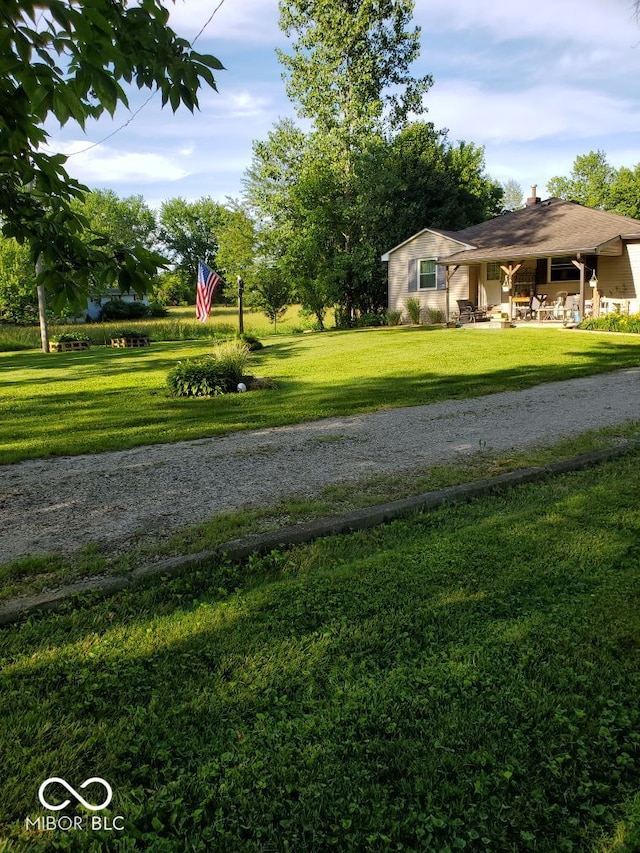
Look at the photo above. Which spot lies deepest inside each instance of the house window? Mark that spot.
(427, 275)
(493, 271)
(562, 269)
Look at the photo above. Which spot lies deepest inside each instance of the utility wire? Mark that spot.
(208, 21)
(151, 96)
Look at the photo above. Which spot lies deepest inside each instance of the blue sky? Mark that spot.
(536, 82)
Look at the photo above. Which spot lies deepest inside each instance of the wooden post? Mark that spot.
(579, 263)
(240, 306)
(42, 308)
(510, 271)
(448, 275)
(447, 278)
(595, 298)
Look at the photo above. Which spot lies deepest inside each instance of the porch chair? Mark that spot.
(538, 301)
(571, 307)
(558, 308)
(469, 312)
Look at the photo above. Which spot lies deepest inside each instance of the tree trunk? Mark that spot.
(42, 310)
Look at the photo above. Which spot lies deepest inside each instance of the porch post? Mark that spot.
(595, 300)
(579, 263)
(510, 272)
(447, 277)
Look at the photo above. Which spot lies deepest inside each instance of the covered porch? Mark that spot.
(546, 289)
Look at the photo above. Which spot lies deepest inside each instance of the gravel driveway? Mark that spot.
(60, 505)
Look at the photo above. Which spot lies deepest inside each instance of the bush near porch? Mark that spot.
(629, 323)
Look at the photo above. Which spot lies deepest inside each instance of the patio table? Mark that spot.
(548, 312)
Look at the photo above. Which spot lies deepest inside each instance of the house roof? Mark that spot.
(552, 227)
(450, 235)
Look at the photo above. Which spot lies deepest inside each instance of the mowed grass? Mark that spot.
(104, 399)
(464, 680)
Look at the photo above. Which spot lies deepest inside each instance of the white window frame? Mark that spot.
(493, 266)
(420, 273)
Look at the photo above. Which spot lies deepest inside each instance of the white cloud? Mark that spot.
(582, 22)
(236, 104)
(246, 21)
(472, 111)
(105, 165)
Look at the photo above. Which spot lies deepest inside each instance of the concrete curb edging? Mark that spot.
(296, 534)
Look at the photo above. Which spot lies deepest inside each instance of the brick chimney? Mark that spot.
(534, 198)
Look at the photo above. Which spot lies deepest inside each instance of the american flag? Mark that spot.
(207, 283)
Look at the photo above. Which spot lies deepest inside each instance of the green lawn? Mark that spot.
(105, 399)
(466, 680)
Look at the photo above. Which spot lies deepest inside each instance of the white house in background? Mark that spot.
(94, 306)
(549, 247)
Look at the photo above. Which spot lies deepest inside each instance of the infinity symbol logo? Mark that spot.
(78, 796)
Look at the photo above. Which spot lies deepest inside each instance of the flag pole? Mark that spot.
(240, 307)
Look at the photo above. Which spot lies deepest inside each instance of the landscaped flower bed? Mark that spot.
(129, 338)
(629, 323)
(68, 343)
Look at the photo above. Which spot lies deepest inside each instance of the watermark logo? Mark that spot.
(71, 822)
(74, 793)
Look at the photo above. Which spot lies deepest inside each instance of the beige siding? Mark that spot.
(489, 290)
(422, 247)
(620, 277)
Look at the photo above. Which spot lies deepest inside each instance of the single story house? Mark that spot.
(94, 306)
(551, 247)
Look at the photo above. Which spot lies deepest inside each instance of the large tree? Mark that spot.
(589, 182)
(513, 195)
(18, 300)
(188, 233)
(67, 60)
(348, 71)
(122, 224)
(400, 184)
(594, 182)
(125, 221)
(624, 193)
(351, 62)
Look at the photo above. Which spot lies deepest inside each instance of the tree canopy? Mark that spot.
(328, 202)
(351, 61)
(594, 182)
(513, 195)
(327, 243)
(68, 60)
(18, 301)
(187, 232)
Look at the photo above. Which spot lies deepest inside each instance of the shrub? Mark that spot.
(413, 307)
(435, 316)
(67, 337)
(365, 320)
(121, 332)
(156, 309)
(613, 323)
(234, 356)
(252, 343)
(201, 377)
(393, 317)
(212, 375)
(340, 317)
(118, 309)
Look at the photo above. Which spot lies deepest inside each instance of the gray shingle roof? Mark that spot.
(554, 227)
